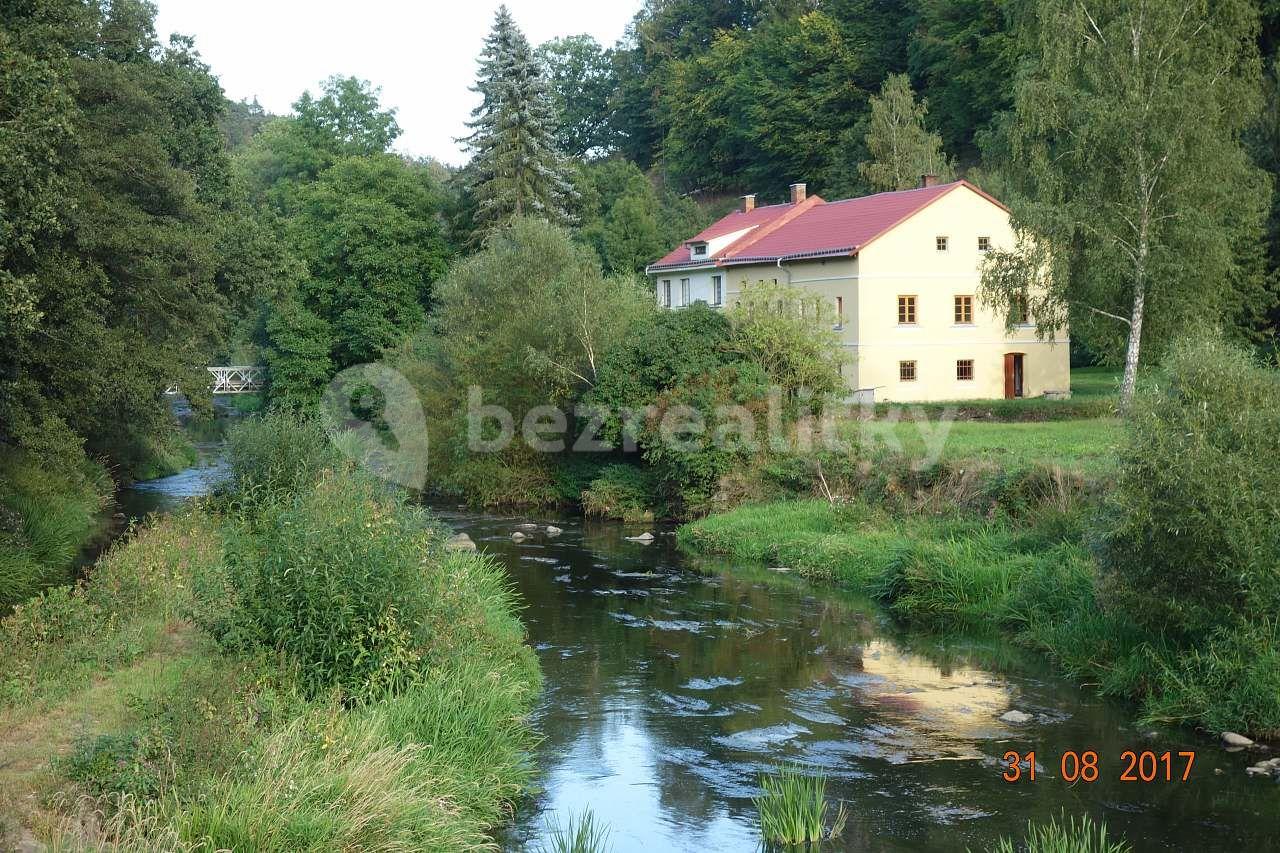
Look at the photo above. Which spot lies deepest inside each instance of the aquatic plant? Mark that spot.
(793, 808)
(580, 833)
(1063, 836)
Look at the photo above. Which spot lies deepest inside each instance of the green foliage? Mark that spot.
(1190, 538)
(277, 453)
(965, 54)
(110, 764)
(46, 517)
(56, 642)
(516, 168)
(789, 334)
(793, 808)
(900, 147)
(580, 77)
(621, 491)
(368, 230)
(299, 358)
(1064, 835)
(339, 536)
(626, 220)
(117, 194)
(530, 319)
(1127, 167)
(346, 120)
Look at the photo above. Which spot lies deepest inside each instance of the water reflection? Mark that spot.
(669, 690)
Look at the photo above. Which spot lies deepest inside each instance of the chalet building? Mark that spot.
(901, 270)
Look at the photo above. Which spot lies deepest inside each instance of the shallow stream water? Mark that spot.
(670, 688)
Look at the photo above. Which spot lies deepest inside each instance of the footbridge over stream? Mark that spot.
(232, 379)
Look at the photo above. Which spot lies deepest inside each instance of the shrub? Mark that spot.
(111, 764)
(333, 576)
(1190, 539)
(621, 491)
(277, 452)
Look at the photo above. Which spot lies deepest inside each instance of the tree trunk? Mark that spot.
(1128, 383)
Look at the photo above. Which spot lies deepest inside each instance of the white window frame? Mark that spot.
(942, 243)
(684, 292)
(717, 290)
(666, 293)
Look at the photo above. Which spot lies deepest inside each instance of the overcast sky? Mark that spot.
(422, 54)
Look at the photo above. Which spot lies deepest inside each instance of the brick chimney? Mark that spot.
(928, 181)
(797, 193)
(748, 202)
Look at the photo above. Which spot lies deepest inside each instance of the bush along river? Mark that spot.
(670, 686)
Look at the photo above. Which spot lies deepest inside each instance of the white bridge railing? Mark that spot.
(235, 379)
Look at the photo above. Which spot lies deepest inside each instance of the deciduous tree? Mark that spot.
(1132, 187)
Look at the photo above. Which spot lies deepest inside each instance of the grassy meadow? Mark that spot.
(181, 702)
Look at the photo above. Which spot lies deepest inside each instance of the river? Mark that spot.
(670, 685)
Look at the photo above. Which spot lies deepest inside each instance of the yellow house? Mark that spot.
(901, 270)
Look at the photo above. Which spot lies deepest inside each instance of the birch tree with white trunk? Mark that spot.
(1131, 189)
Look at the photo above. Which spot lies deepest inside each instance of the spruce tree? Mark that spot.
(516, 169)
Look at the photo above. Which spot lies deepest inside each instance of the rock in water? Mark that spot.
(528, 525)
(643, 537)
(460, 542)
(1233, 739)
(518, 537)
(1016, 717)
(552, 530)
(1270, 767)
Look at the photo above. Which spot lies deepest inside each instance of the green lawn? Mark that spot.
(1093, 395)
(1094, 382)
(1084, 445)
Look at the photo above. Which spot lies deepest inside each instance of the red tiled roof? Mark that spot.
(819, 228)
(735, 221)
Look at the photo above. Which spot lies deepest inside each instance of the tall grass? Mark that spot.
(579, 833)
(46, 517)
(1063, 836)
(793, 808)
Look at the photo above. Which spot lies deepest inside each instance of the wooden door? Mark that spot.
(1012, 375)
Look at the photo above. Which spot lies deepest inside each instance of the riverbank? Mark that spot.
(1028, 577)
(217, 704)
(47, 516)
(1149, 571)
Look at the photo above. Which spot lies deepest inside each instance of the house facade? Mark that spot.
(901, 271)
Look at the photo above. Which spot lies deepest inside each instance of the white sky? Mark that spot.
(422, 54)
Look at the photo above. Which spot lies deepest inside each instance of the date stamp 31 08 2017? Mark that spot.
(1087, 766)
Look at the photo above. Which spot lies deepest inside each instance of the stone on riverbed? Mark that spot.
(1233, 739)
(1016, 716)
(1270, 767)
(460, 542)
(518, 537)
(645, 537)
(528, 525)
(552, 530)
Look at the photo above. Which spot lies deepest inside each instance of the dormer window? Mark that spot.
(698, 250)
